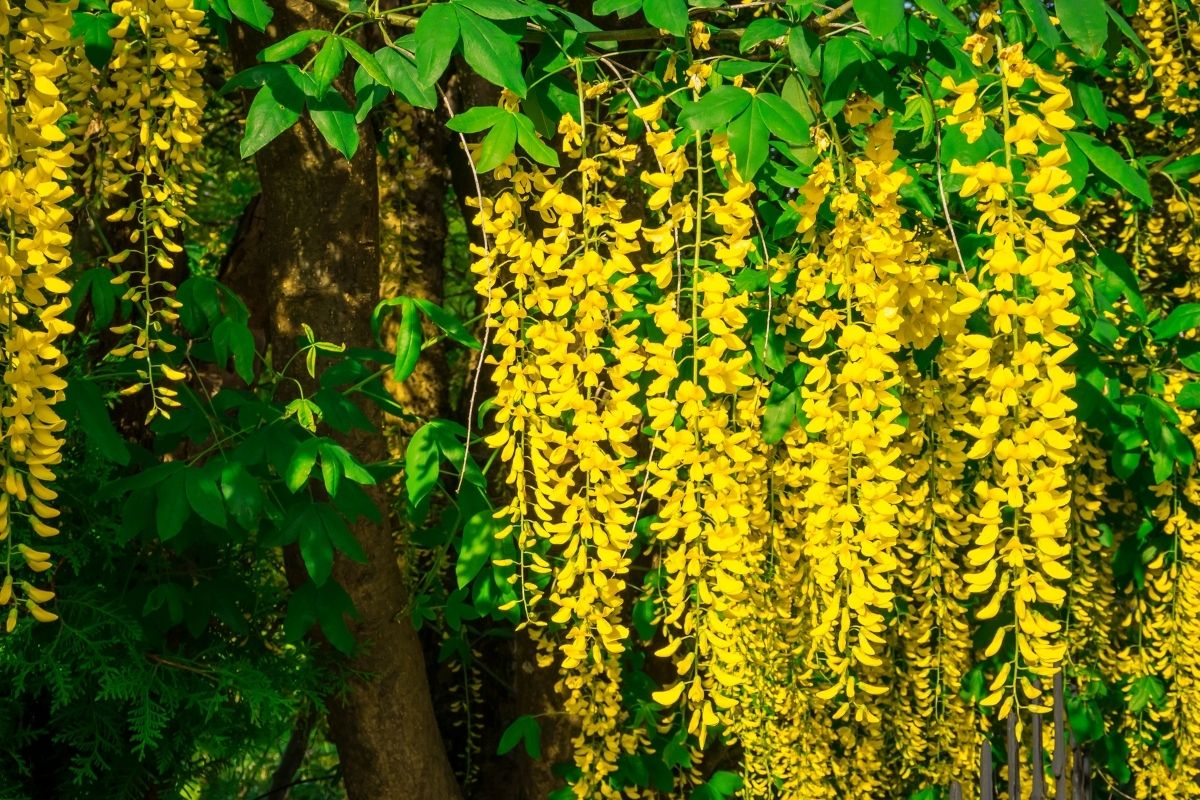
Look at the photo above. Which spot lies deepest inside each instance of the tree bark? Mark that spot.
(312, 256)
(412, 193)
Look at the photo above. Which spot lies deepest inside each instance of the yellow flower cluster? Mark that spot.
(36, 158)
(705, 421)
(558, 278)
(853, 332)
(1173, 42)
(938, 731)
(923, 547)
(143, 129)
(589, 385)
(1022, 426)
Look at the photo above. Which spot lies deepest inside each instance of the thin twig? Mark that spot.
(937, 133)
(487, 328)
(331, 776)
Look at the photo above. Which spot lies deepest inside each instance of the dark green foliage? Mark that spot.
(167, 668)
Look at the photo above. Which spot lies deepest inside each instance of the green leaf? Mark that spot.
(725, 783)
(253, 77)
(243, 496)
(255, 13)
(331, 472)
(1147, 690)
(1109, 162)
(1091, 99)
(275, 108)
(335, 120)
(802, 47)
(1118, 276)
(421, 460)
(759, 31)
(171, 508)
(841, 56)
(403, 79)
(778, 418)
(476, 119)
(1047, 33)
(491, 52)
(367, 95)
(714, 109)
(1189, 396)
(408, 340)
(95, 422)
(332, 605)
(1125, 29)
(448, 323)
(350, 466)
(339, 534)
(1161, 464)
(328, 64)
(622, 8)
(436, 35)
(938, 9)
(1085, 719)
(305, 411)
(1183, 168)
(781, 119)
(304, 458)
(525, 729)
(92, 30)
(668, 15)
(478, 541)
(1182, 318)
(365, 60)
(315, 548)
(232, 336)
(205, 497)
(531, 143)
(880, 16)
(749, 140)
(1086, 23)
(291, 46)
(497, 145)
(498, 9)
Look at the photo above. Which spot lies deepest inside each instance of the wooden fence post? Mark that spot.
(986, 792)
(1014, 758)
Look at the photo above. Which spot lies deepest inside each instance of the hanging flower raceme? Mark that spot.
(852, 333)
(707, 437)
(143, 129)
(1023, 428)
(559, 276)
(36, 158)
(830, 422)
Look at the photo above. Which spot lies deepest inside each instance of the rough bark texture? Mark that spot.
(312, 256)
(412, 193)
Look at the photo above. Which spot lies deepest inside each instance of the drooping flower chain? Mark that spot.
(36, 158)
(144, 130)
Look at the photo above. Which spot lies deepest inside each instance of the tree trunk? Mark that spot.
(312, 256)
(412, 193)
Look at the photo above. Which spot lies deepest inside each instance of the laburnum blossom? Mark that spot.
(36, 160)
(143, 132)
